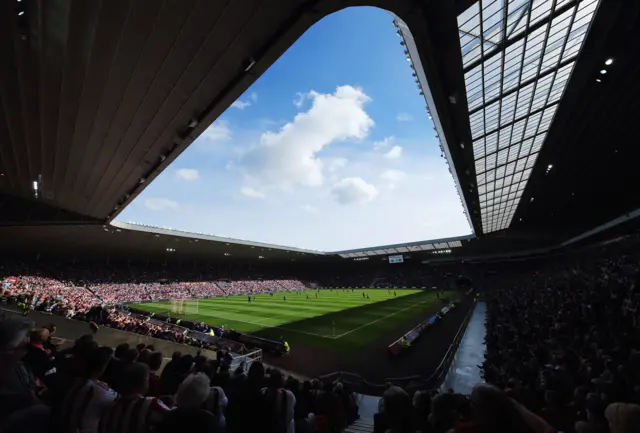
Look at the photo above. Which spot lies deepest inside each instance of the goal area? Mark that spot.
(184, 306)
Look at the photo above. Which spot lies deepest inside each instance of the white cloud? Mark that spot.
(218, 131)
(335, 164)
(393, 175)
(251, 192)
(188, 174)
(309, 208)
(381, 144)
(289, 157)
(241, 105)
(353, 190)
(298, 101)
(394, 153)
(160, 204)
(404, 117)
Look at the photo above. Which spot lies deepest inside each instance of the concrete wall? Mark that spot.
(73, 329)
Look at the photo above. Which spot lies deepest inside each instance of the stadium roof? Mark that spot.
(432, 246)
(99, 97)
(518, 57)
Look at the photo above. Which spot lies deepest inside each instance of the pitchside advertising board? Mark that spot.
(396, 259)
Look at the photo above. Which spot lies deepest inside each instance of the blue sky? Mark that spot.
(330, 149)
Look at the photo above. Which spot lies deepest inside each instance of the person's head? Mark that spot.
(144, 356)
(130, 356)
(623, 417)
(275, 379)
(492, 406)
(397, 407)
(121, 349)
(51, 328)
(135, 379)
(151, 348)
(155, 361)
(39, 336)
(140, 347)
(176, 356)
(185, 364)
(193, 391)
(292, 384)
(444, 411)
(338, 388)
(98, 361)
(422, 402)
(13, 342)
(256, 373)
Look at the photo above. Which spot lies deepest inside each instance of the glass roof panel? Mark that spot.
(515, 76)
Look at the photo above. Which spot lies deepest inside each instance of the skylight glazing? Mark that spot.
(518, 56)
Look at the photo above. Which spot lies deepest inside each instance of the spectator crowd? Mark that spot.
(562, 355)
(88, 388)
(95, 301)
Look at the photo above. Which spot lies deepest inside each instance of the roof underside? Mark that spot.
(518, 57)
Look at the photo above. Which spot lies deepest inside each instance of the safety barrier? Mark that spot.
(409, 383)
(405, 342)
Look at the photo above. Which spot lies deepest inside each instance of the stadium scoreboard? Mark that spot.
(396, 259)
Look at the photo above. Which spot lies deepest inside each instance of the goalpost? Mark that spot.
(184, 306)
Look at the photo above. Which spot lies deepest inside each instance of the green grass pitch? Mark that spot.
(336, 320)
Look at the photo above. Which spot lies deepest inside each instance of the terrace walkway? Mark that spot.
(464, 372)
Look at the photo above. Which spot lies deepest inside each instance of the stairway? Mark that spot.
(362, 425)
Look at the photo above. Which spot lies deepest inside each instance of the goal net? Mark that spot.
(184, 306)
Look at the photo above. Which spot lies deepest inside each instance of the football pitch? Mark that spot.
(336, 319)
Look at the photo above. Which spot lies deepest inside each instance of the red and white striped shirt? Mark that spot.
(85, 404)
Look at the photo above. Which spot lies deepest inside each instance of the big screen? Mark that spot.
(396, 259)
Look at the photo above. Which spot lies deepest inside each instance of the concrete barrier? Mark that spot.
(70, 329)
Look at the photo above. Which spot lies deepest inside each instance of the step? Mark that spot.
(362, 425)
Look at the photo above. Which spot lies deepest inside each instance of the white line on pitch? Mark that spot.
(274, 327)
(381, 318)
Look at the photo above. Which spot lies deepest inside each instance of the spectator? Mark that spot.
(397, 410)
(278, 406)
(190, 414)
(117, 364)
(38, 358)
(90, 398)
(154, 362)
(141, 413)
(623, 418)
(20, 408)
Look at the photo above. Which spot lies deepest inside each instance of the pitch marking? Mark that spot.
(274, 327)
(381, 318)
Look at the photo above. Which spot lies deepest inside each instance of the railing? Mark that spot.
(440, 372)
(409, 383)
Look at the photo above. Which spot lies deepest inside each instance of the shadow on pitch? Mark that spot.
(304, 330)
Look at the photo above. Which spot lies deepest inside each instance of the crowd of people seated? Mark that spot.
(563, 354)
(94, 301)
(87, 388)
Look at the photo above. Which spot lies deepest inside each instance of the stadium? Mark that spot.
(526, 324)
